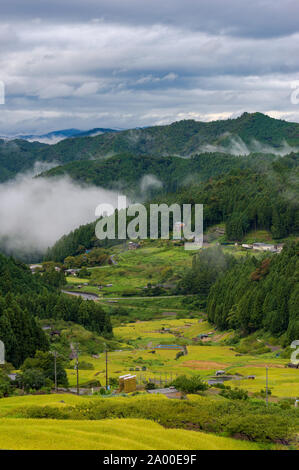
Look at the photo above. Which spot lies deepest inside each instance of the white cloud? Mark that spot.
(35, 213)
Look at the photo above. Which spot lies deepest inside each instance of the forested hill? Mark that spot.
(259, 294)
(126, 171)
(183, 138)
(25, 297)
(248, 133)
(245, 199)
(18, 328)
(17, 156)
(17, 277)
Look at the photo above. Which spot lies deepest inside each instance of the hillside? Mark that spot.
(262, 196)
(25, 297)
(17, 156)
(126, 171)
(184, 138)
(248, 133)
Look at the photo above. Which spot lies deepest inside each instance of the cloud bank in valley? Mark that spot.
(36, 212)
(236, 146)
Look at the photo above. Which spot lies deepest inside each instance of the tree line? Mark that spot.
(26, 298)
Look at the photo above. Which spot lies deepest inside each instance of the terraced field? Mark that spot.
(205, 360)
(121, 434)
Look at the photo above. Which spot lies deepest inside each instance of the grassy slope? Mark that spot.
(117, 434)
(135, 269)
(20, 434)
(202, 360)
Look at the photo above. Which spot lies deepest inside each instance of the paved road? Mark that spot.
(145, 298)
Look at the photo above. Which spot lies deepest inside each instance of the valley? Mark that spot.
(205, 336)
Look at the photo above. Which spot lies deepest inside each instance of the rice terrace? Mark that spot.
(149, 232)
(186, 371)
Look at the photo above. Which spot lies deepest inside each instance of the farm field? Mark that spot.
(204, 360)
(136, 268)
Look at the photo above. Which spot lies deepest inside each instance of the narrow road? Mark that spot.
(145, 298)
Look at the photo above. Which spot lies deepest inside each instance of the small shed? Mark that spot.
(127, 383)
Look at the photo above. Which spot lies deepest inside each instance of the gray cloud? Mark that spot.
(257, 18)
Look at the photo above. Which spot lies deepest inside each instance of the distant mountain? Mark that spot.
(248, 133)
(242, 136)
(56, 136)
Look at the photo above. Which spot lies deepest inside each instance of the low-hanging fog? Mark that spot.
(36, 212)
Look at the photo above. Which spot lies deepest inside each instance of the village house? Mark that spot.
(133, 246)
(264, 247)
(35, 268)
(72, 272)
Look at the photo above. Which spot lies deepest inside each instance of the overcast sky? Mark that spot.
(128, 63)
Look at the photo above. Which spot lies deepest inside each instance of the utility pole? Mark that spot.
(54, 352)
(55, 370)
(266, 386)
(77, 368)
(106, 353)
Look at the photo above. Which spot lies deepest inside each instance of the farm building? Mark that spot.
(35, 268)
(174, 347)
(72, 272)
(263, 247)
(133, 246)
(127, 383)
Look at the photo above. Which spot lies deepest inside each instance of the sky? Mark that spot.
(135, 63)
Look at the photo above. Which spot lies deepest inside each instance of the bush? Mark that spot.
(150, 386)
(189, 384)
(234, 393)
(5, 387)
(113, 382)
(249, 419)
(44, 363)
(42, 412)
(179, 354)
(31, 379)
(85, 365)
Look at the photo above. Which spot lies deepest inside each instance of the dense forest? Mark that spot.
(17, 156)
(183, 138)
(126, 171)
(249, 293)
(24, 298)
(261, 197)
(256, 294)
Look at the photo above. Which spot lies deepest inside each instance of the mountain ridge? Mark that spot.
(248, 133)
